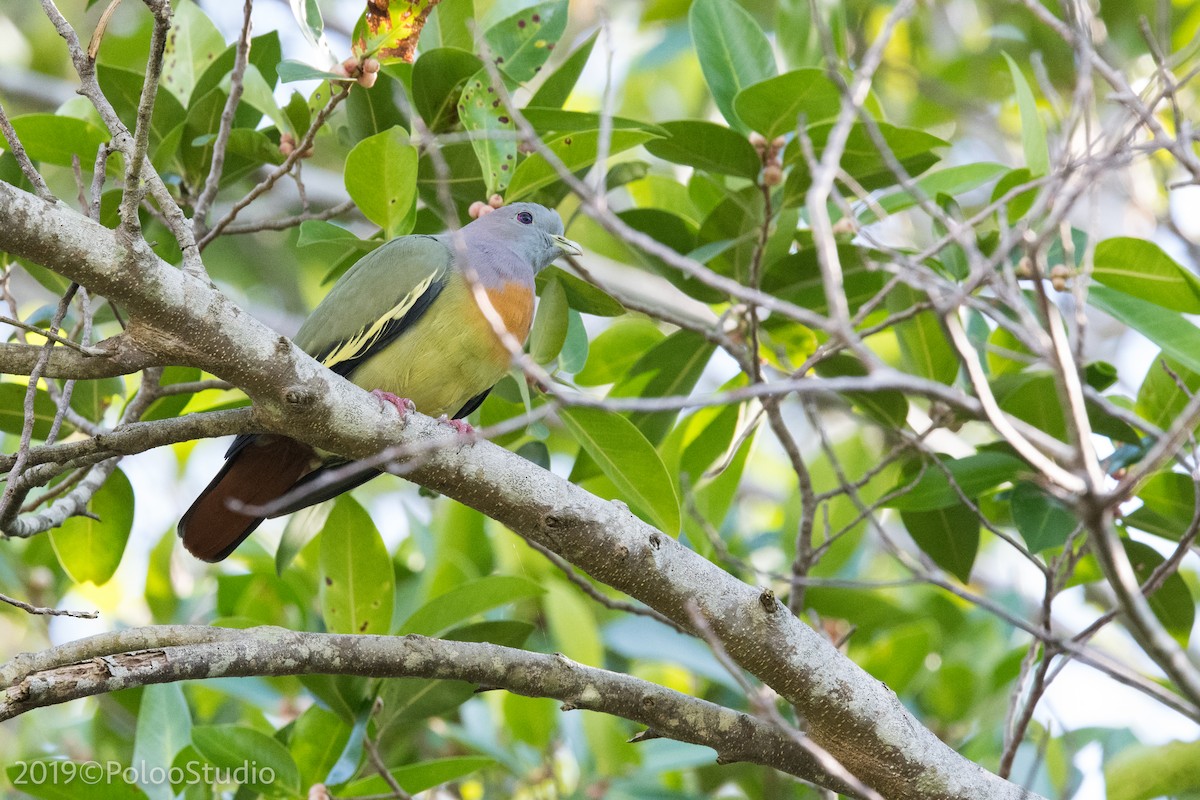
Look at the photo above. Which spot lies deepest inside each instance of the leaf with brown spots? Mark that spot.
(493, 134)
(389, 29)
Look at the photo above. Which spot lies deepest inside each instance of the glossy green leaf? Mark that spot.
(948, 535)
(629, 460)
(1143, 772)
(897, 656)
(12, 411)
(318, 738)
(1172, 603)
(774, 107)
(450, 25)
(357, 583)
(953, 181)
(91, 549)
(1168, 505)
(576, 150)
(557, 87)
(973, 475)
(924, 346)
(291, 71)
(493, 134)
(302, 527)
(707, 146)
(420, 777)
(193, 43)
(1142, 269)
(229, 746)
(1160, 400)
(581, 295)
(381, 178)
(557, 120)
(887, 407)
(374, 110)
(56, 139)
(549, 324)
(123, 87)
(1177, 336)
(617, 348)
(468, 600)
(1042, 521)
(164, 727)
(439, 77)
(734, 52)
(521, 43)
(672, 368)
(861, 159)
(1033, 130)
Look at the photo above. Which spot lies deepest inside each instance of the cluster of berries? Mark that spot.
(480, 208)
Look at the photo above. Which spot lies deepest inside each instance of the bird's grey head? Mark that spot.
(533, 232)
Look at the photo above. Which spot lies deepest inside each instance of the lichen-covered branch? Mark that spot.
(123, 660)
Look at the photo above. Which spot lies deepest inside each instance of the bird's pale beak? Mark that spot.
(567, 246)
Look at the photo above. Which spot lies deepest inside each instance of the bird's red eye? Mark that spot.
(525, 218)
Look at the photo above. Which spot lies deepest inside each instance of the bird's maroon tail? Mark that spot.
(261, 470)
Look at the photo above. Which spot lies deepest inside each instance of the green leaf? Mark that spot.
(193, 43)
(556, 89)
(616, 349)
(630, 462)
(12, 411)
(1142, 772)
(557, 120)
(302, 527)
(381, 178)
(91, 549)
(952, 181)
(229, 747)
(1172, 603)
(318, 738)
(549, 324)
(924, 347)
(576, 150)
(973, 475)
(1178, 337)
(889, 408)
(671, 369)
(1033, 131)
(773, 107)
(734, 52)
(415, 778)
(861, 158)
(291, 71)
(438, 80)
(54, 139)
(450, 25)
(467, 600)
(1141, 268)
(164, 727)
(493, 134)
(124, 88)
(1042, 521)
(357, 582)
(1160, 399)
(374, 110)
(707, 146)
(581, 295)
(521, 43)
(949, 535)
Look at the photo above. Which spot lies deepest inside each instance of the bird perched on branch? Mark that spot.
(420, 322)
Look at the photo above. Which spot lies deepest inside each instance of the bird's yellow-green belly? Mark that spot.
(451, 354)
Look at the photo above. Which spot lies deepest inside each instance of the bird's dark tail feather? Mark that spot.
(255, 474)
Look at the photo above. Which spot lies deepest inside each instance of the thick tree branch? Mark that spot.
(851, 714)
(103, 664)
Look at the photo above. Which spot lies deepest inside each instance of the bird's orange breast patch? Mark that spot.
(514, 303)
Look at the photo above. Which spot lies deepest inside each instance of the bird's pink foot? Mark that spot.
(401, 404)
(462, 426)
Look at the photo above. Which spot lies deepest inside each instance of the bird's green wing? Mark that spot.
(378, 298)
